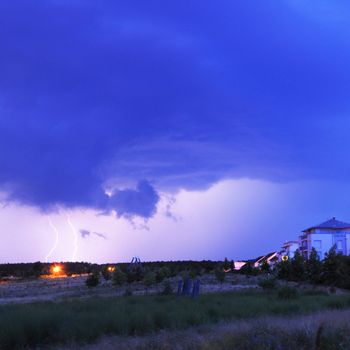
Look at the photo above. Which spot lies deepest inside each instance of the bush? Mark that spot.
(92, 280)
(167, 288)
(149, 279)
(128, 292)
(268, 283)
(287, 292)
(119, 278)
(220, 275)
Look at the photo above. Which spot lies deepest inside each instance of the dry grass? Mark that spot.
(327, 330)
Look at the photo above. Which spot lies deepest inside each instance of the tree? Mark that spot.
(284, 270)
(119, 278)
(331, 272)
(92, 280)
(265, 267)
(226, 264)
(314, 267)
(232, 266)
(298, 267)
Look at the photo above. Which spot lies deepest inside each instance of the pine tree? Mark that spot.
(314, 267)
(298, 267)
(331, 267)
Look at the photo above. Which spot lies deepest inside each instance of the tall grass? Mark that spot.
(83, 321)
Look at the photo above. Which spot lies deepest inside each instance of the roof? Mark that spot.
(331, 224)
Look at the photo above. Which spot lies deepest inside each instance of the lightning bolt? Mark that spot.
(56, 240)
(75, 235)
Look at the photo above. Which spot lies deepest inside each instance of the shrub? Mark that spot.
(119, 278)
(268, 283)
(128, 292)
(167, 288)
(149, 279)
(220, 275)
(92, 280)
(287, 292)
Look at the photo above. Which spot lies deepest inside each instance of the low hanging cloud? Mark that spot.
(86, 233)
(141, 201)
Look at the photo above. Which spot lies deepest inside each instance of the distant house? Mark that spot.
(288, 249)
(271, 259)
(324, 236)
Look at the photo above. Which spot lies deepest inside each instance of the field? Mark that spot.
(85, 320)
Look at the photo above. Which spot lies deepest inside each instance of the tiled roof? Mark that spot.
(330, 224)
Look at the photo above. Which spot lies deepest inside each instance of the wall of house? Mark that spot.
(348, 243)
(322, 242)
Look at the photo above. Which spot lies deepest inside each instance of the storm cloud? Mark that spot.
(167, 96)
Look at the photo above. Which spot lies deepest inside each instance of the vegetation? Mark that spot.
(92, 280)
(119, 278)
(334, 270)
(25, 325)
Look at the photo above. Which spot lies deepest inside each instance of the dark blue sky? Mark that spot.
(148, 97)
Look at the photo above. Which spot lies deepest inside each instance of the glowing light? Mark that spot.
(75, 235)
(56, 240)
(284, 257)
(56, 269)
(111, 268)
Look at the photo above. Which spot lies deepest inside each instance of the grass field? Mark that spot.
(83, 321)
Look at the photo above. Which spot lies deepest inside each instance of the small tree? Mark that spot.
(265, 267)
(232, 266)
(119, 278)
(92, 280)
(226, 264)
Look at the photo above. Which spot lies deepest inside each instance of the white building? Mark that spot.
(324, 236)
(288, 249)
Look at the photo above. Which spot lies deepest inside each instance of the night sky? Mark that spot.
(170, 130)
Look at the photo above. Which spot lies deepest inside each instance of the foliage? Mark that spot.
(313, 267)
(268, 283)
(92, 280)
(167, 288)
(119, 278)
(265, 267)
(297, 267)
(162, 273)
(220, 275)
(128, 292)
(107, 275)
(287, 292)
(149, 279)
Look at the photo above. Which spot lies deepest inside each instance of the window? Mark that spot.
(339, 245)
(317, 244)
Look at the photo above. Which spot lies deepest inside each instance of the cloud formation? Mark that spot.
(105, 94)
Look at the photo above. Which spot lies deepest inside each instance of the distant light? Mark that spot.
(56, 269)
(284, 257)
(111, 268)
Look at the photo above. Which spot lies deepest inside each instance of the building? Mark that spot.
(271, 259)
(324, 236)
(288, 250)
